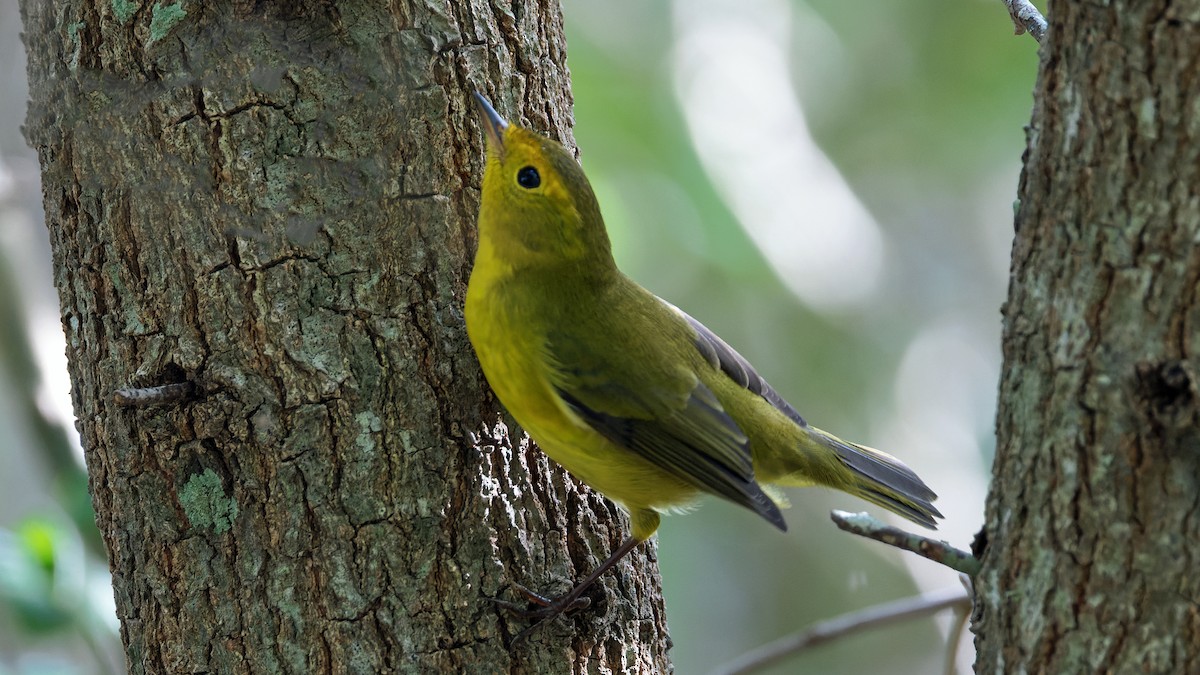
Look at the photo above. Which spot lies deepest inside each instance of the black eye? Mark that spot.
(528, 178)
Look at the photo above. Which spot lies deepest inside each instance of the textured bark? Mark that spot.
(276, 203)
(1093, 535)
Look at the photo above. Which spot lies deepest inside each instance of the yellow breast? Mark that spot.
(511, 352)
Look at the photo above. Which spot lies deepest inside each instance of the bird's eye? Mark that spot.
(528, 178)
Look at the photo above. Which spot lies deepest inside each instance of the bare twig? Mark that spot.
(954, 637)
(961, 614)
(846, 624)
(1026, 17)
(147, 396)
(937, 551)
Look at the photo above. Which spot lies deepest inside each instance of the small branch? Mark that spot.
(1026, 17)
(937, 551)
(147, 396)
(846, 624)
(961, 614)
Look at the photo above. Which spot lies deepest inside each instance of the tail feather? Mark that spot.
(883, 480)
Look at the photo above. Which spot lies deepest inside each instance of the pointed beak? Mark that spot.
(493, 123)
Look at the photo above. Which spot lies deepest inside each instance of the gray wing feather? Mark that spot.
(693, 444)
(717, 352)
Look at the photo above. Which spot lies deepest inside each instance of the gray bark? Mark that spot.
(275, 202)
(1093, 539)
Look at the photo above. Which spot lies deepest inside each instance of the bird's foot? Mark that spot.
(540, 608)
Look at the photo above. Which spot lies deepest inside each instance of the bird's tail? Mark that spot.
(882, 479)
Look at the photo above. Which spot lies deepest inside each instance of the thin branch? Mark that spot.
(937, 551)
(954, 637)
(956, 630)
(1026, 17)
(846, 624)
(100, 655)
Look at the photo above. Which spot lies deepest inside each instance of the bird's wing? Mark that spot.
(877, 467)
(664, 414)
(717, 352)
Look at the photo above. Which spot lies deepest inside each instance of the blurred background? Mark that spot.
(827, 185)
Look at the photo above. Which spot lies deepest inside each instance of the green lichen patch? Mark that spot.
(124, 10)
(163, 18)
(204, 502)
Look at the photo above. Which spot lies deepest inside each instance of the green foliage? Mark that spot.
(32, 585)
(45, 579)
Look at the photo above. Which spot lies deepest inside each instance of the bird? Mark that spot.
(627, 392)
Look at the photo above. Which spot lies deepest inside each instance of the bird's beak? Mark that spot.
(493, 123)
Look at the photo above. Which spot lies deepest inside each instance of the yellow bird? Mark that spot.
(624, 390)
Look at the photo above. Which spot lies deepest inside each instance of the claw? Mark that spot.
(539, 609)
(546, 608)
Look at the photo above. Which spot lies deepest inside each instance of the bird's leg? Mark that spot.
(548, 608)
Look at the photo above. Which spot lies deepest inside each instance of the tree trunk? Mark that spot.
(1093, 535)
(275, 202)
